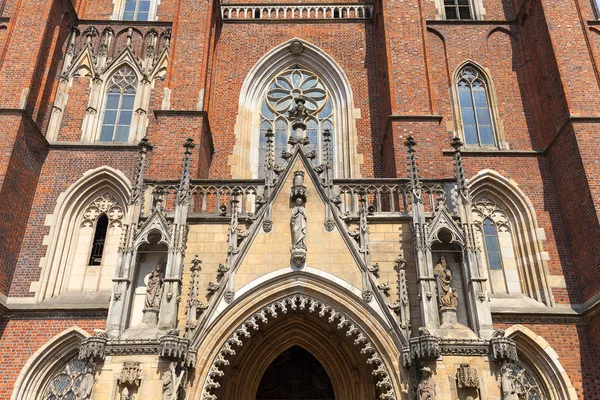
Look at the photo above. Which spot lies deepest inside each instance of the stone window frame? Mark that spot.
(485, 208)
(244, 160)
(322, 123)
(543, 361)
(46, 361)
(92, 122)
(76, 210)
(476, 6)
(119, 10)
(515, 213)
(500, 142)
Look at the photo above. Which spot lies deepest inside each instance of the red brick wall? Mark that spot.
(75, 110)
(348, 44)
(22, 154)
(19, 339)
(71, 164)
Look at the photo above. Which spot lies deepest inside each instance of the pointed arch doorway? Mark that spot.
(299, 357)
(295, 375)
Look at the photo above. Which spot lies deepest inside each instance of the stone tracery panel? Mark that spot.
(311, 305)
(74, 381)
(107, 204)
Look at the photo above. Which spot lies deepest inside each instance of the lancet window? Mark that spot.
(475, 112)
(118, 107)
(495, 234)
(279, 98)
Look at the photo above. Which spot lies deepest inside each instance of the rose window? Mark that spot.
(279, 99)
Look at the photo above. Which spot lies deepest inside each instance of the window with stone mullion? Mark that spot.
(118, 108)
(136, 10)
(279, 99)
(457, 9)
(476, 116)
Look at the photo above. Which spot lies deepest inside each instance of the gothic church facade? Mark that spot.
(314, 199)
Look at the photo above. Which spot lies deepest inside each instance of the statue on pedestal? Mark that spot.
(298, 222)
(154, 288)
(446, 294)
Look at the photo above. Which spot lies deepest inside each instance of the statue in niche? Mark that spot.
(426, 388)
(154, 288)
(126, 395)
(447, 294)
(298, 223)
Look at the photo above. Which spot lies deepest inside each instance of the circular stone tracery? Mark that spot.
(292, 303)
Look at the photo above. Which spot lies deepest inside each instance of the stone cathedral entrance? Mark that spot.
(295, 375)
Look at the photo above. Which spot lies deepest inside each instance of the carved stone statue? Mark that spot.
(426, 388)
(126, 395)
(447, 294)
(172, 382)
(298, 223)
(84, 390)
(154, 288)
(507, 383)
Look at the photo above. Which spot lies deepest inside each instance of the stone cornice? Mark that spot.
(466, 22)
(94, 146)
(120, 22)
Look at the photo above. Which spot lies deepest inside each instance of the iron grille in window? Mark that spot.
(457, 9)
(118, 110)
(279, 99)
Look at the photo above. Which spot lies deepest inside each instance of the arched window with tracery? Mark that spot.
(495, 234)
(119, 106)
(74, 380)
(475, 111)
(279, 98)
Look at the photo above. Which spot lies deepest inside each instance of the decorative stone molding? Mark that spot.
(424, 347)
(503, 348)
(130, 374)
(107, 204)
(283, 12)
(172, 346)
(311, 305)
(93, 348)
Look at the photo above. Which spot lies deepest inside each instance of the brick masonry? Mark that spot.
(541, 56)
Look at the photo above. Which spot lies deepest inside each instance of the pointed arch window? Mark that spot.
(74, 381)
(279, 99)
(119, 106)
(137, 10)
(492, 245)
(99, 240)
(457, 9)
(475, 112)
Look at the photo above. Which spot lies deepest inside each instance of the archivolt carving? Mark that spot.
(485, 208)
(107, 204)
(292, 303)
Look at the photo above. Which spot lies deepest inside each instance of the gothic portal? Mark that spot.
(309, 200)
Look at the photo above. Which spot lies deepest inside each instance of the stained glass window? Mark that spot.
(474, 108)
(118, 109)
(74, 381)
(279, 99)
